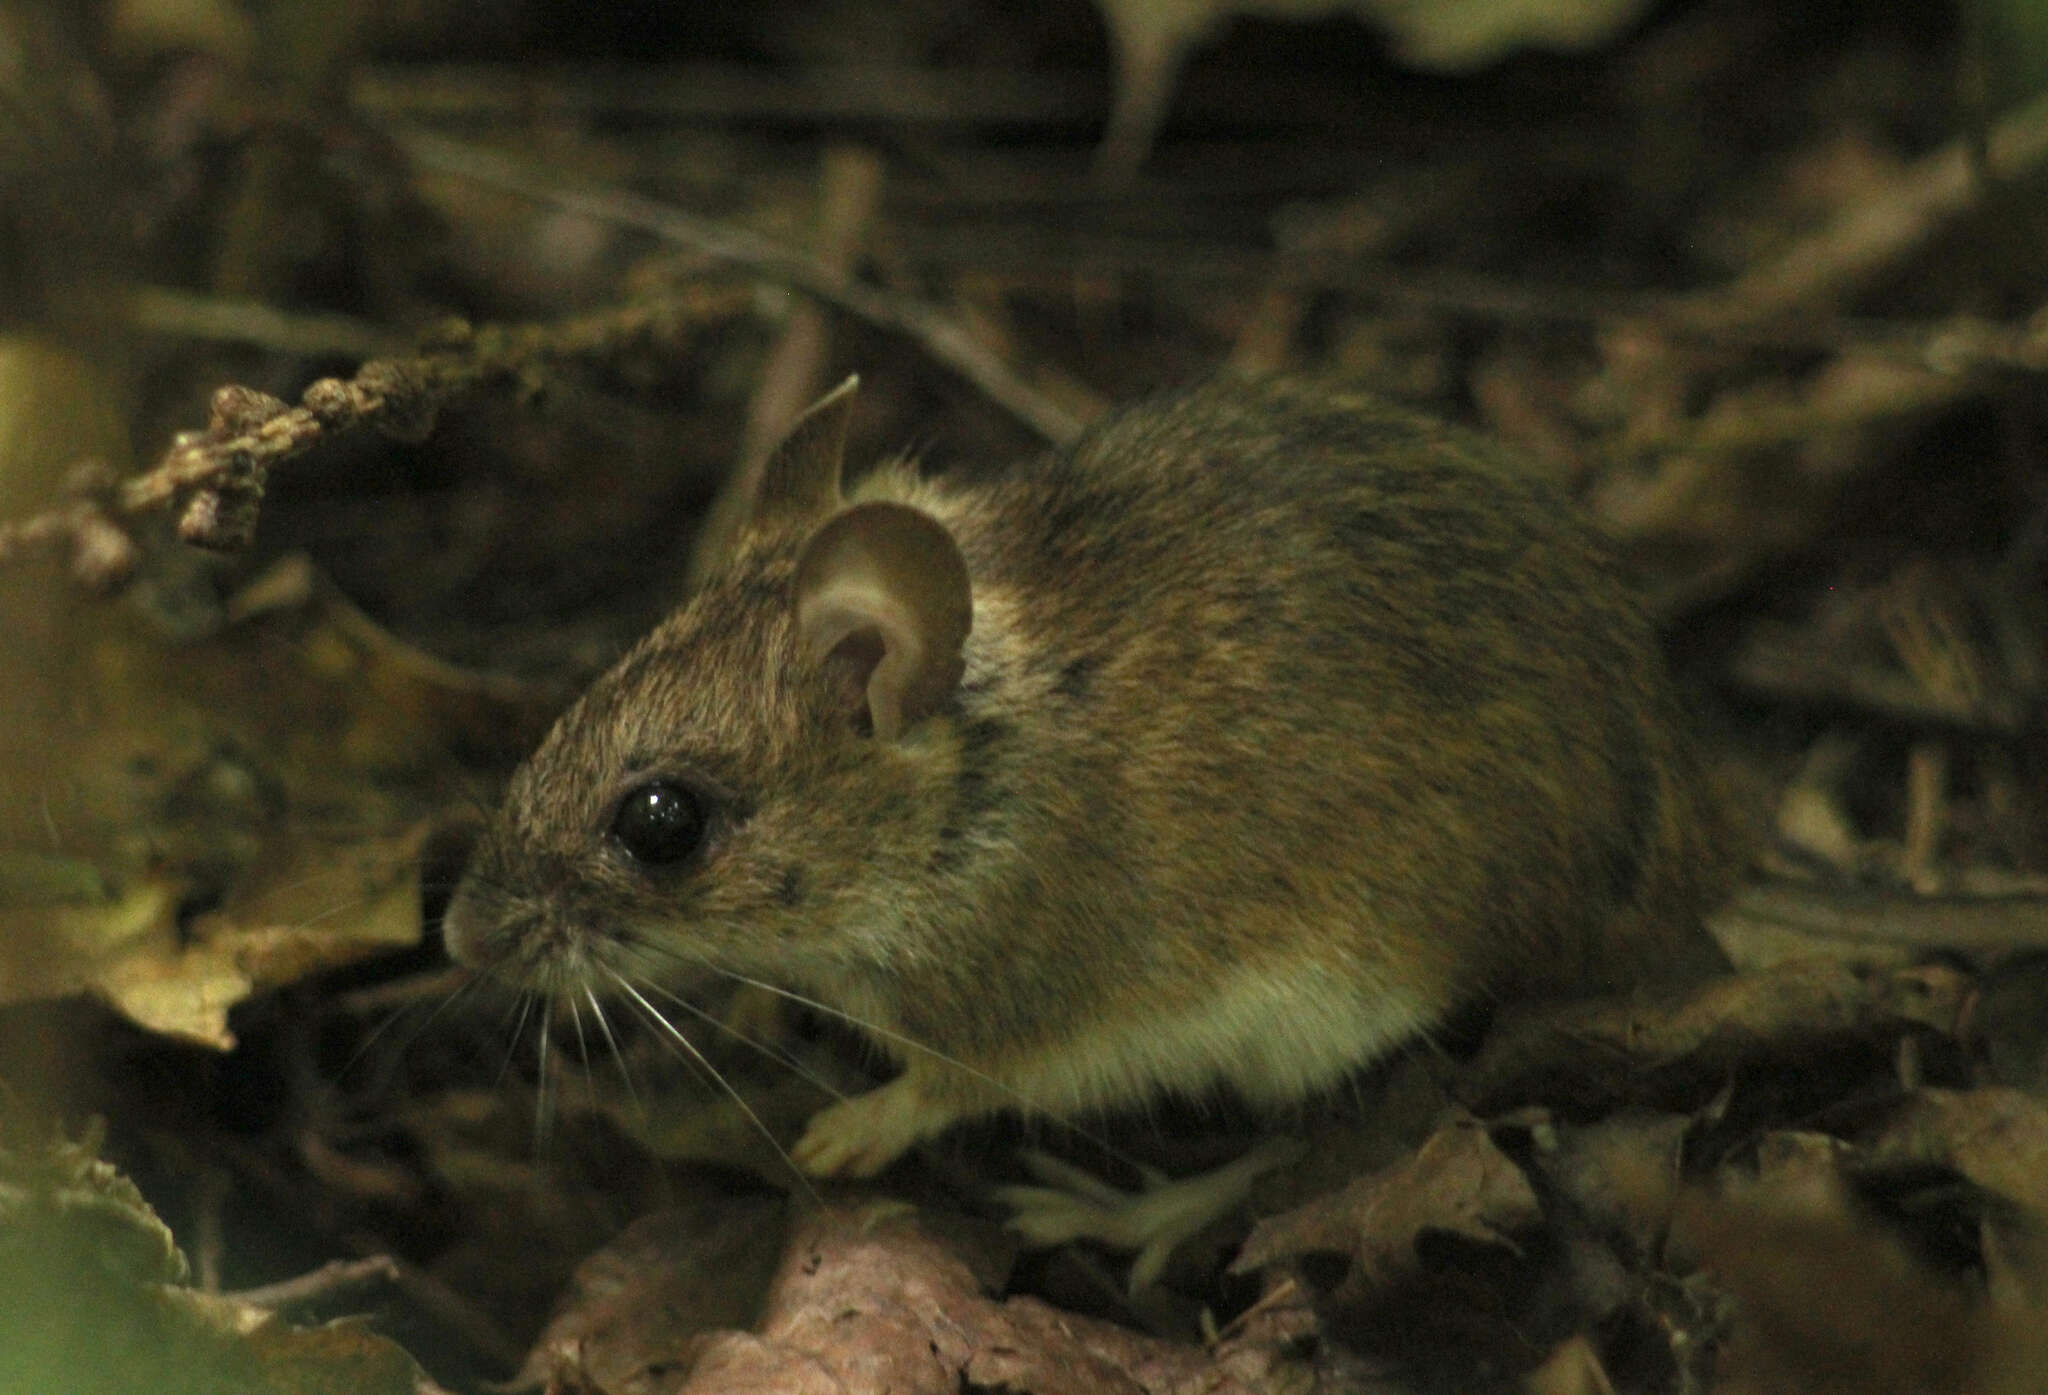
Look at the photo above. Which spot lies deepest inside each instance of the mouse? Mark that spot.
(1235, 745)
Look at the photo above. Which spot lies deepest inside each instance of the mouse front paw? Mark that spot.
(859, 1137)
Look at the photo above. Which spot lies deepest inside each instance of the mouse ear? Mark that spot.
(883, 590)
(800, 477)
(796, 482)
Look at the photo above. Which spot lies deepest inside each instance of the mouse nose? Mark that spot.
(463, 929)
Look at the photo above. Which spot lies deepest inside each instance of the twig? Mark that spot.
(167, 310)
(260, 1168)
(448, 1306)
(1742, 426)
(1927, 815)
(335, 1276)
(217, 475)
(215, 478)
(1954, 347)
(1981, 923)
(937, 333)
(433, 986)
(1787, 666)
(1877, 234)
(849, 193)
(684, 92)
(850, 189)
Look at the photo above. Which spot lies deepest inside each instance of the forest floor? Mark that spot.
(366, 372)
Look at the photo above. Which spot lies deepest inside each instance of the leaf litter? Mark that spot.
(230, 800)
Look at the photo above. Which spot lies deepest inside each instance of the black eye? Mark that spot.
(659, 822)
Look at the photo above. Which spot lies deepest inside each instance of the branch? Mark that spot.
(1873, 236)
(215, 478)
(927, 326)
(896, 94)
(1996, 923)
(337, 1276)
(170, 311)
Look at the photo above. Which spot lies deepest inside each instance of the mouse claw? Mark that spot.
(1153, 1221)
(859, 1137)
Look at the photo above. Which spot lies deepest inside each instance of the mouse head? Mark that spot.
(747, 789)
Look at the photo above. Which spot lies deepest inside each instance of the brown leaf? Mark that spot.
(1438, 1265)
(1620, 1174)
(2008, 1026)
(285, 770)
(304, 909)
(1622, 1048)
(1458, 1182)
(1828, 1295)
(1997, 1138)
(869, 1298)
(1828, 1302)
(636, 1306)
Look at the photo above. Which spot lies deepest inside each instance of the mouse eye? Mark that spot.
(659, 822)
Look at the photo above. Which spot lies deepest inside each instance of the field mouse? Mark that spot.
(1236, 744)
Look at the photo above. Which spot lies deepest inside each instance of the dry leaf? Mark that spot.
(287, 772)
(869, 1298)
(1457, 1183)
(1573, 1369)
(1625, 1048)
(314, 909)
(1828, 1301)
(92, 1298)
(636, 1307)
(1439, 1264)
(1621, 1173)
(1997, 1138)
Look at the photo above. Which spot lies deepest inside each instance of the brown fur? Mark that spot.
(1274, 696)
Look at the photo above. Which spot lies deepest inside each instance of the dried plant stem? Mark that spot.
(170, 311)
(850, 191)
(1974, 923)
(215, 477)
(915, 94)
(338, 1276)
(1878, 234)
(1954, 346)
(936, 332)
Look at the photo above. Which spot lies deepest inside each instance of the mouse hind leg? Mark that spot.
(1072, 1204)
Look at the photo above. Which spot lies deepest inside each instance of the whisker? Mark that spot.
(604, 1027)
(654, 1015)
(376, 1034)
(1032, 1112)
(576, 1024)
(400, 1014)
(341, 907)
(698, 1069)
(582, 1049)
(468, 791)
(523, 1007)
(871, 1028)
(786, 1059)
(544, 1092)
